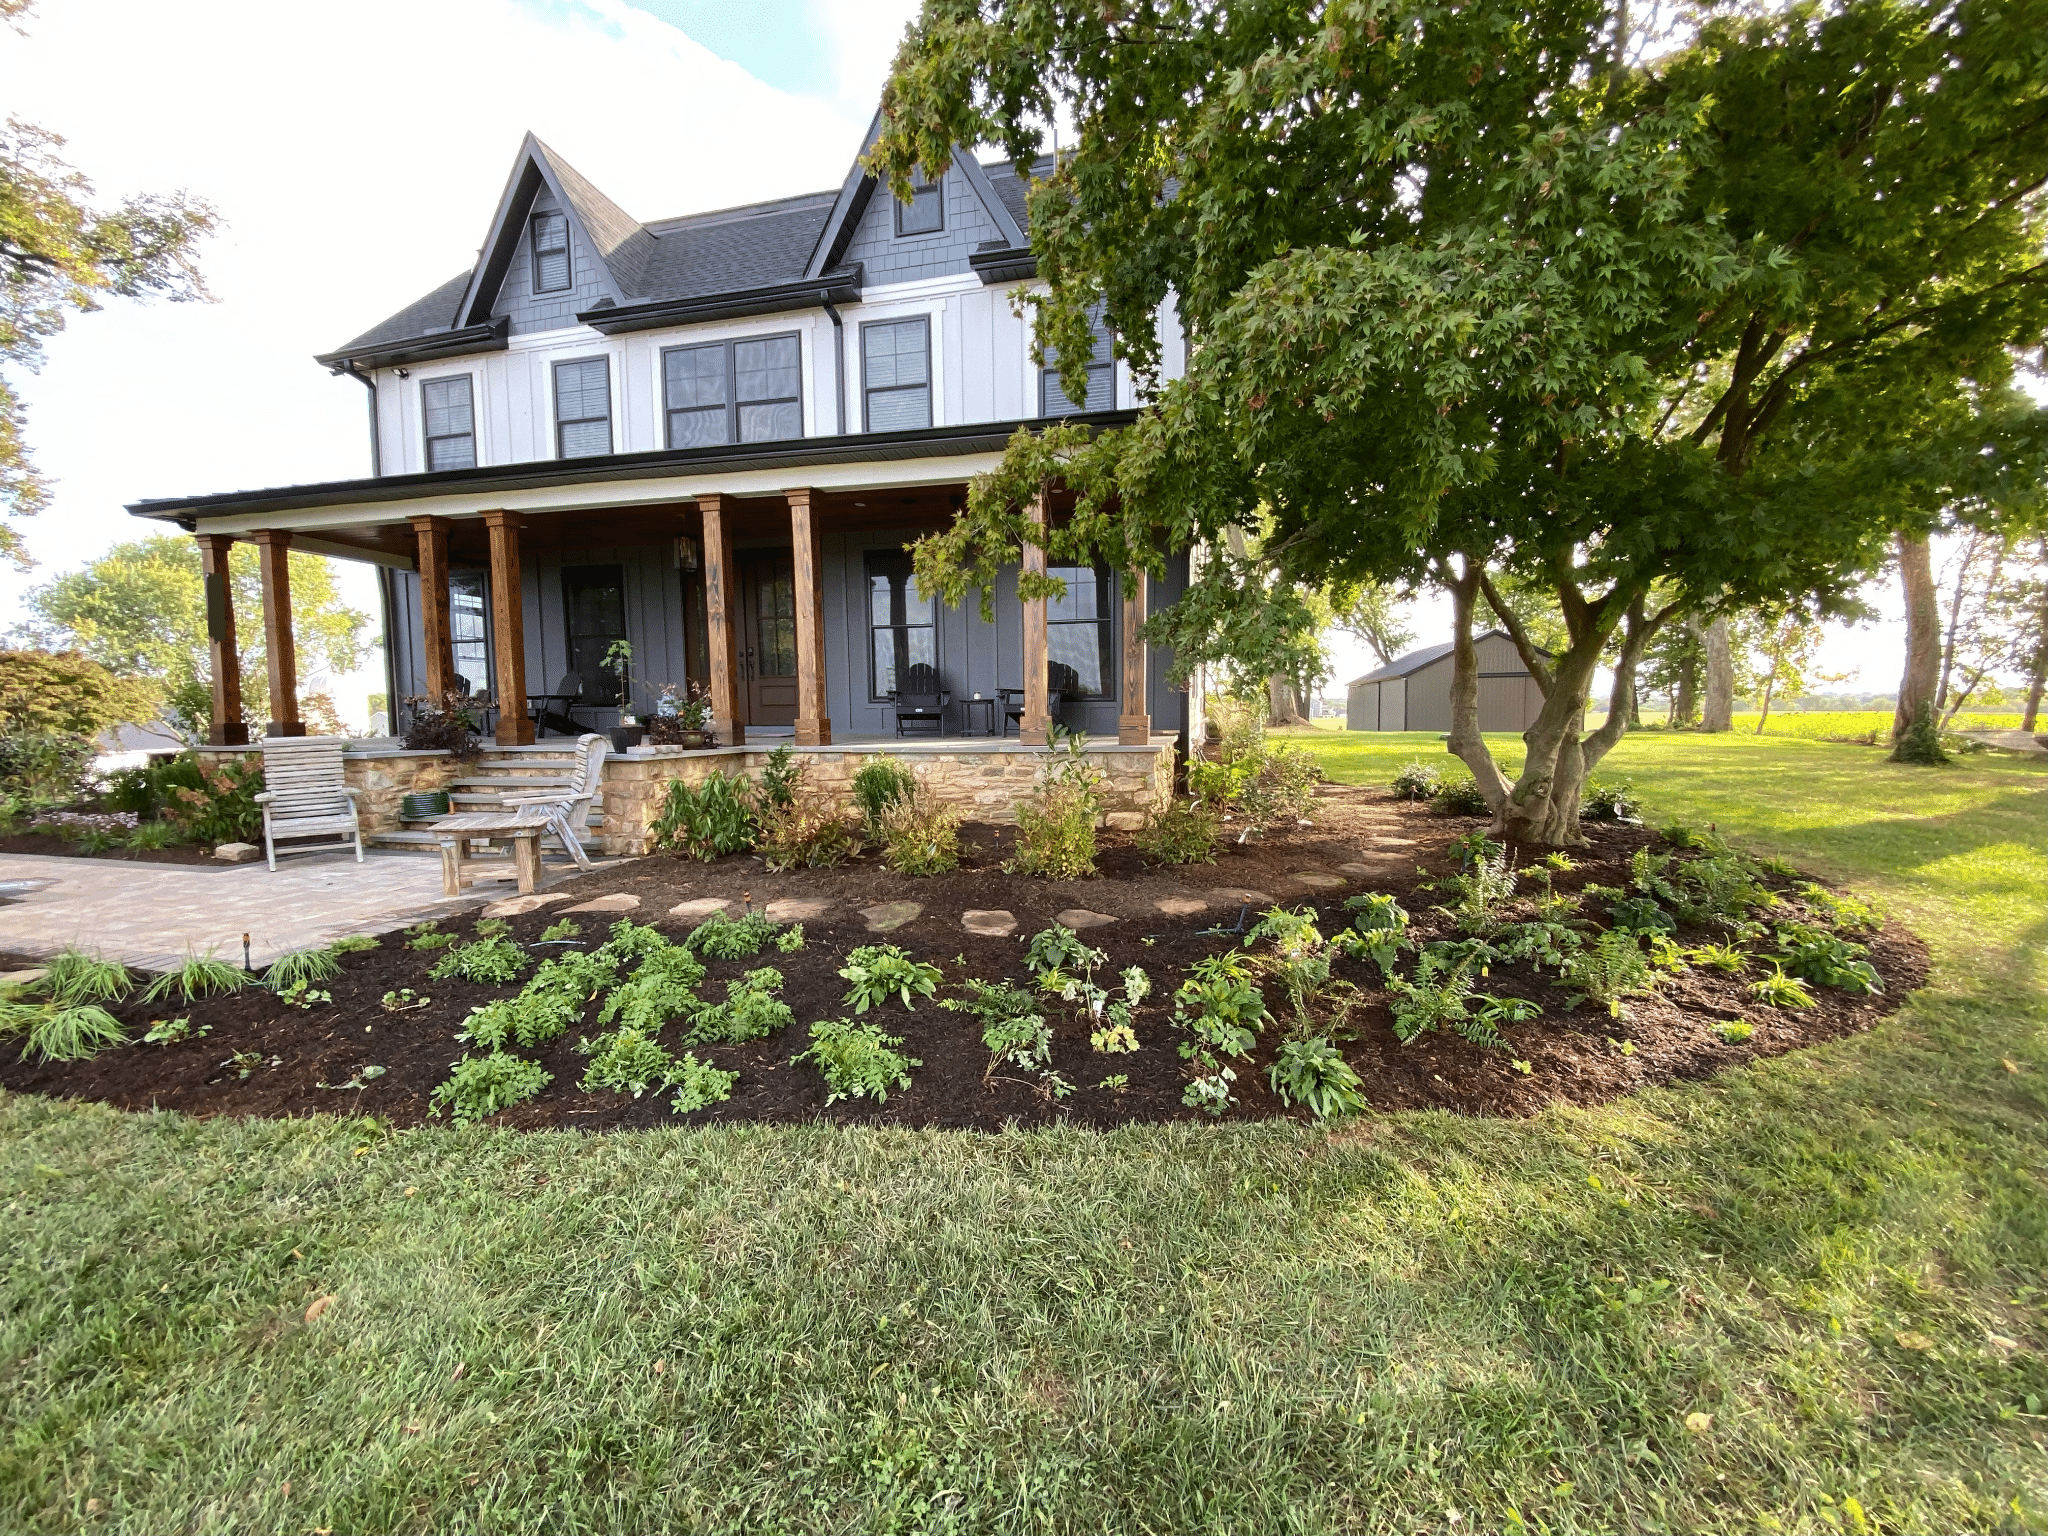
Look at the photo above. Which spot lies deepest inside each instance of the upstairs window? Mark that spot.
(583, 408)
(896, 374)
(450, 423)
(594, 618)
(733, 392)
(1078, 634)
(550, 252)
(925, 213)
(1053, 401)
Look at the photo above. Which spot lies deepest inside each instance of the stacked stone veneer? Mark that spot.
(985, 782)
(382, 778)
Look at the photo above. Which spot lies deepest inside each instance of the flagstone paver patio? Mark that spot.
(150, 915)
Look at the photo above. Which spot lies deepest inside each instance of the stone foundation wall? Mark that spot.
(382, 777)
(984, 784)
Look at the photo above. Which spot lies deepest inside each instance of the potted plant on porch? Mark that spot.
(682, 717)
(628, 732)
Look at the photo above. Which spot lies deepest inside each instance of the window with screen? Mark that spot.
(1053, 400)
(550, 252)
(902, 622)
(1078, 632)
(925, 213)
(450, 423)
(583, 408)
(594, 615)
(896, 374)
(733, 392)
(469, 630)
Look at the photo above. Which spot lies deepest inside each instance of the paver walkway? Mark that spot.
(151, 914)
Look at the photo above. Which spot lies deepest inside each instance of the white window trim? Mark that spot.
(856, 376)
(552, 424)
(416, 452)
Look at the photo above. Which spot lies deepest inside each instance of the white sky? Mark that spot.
(357, 153)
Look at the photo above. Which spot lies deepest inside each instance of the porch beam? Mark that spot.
(1034, 728)
(1134, 725)
(722, 620)
(508, 629)
(431, 534)
(813, 727)
(273, 558)
(227, 727)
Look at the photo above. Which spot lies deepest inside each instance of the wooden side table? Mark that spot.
(521, 828)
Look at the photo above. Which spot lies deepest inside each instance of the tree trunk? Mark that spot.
(1770, 687)
(1282, 707)
(1685, 697)
(1923, 632)
(1719, 712)
(2037, 666)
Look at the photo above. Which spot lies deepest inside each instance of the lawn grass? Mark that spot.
(1168, 1329)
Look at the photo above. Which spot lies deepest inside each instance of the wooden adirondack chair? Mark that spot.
(569, 807)
(304, 796)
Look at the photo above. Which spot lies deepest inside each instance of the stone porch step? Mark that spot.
(495, 781)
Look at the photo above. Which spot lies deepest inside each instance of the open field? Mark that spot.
(1802, 1296)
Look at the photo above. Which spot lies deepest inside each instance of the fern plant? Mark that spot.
(1609, 971)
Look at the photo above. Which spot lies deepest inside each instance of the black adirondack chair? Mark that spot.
(1060, 680)
(921, 701)
(546, 717)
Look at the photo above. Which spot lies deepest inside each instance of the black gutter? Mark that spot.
(838, 356)
(842, 286)
(792, 453)
(1004, 264)
(376, 443)
(488, 337)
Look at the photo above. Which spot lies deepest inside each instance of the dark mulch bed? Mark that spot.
(1584, 1057)
(51, 845)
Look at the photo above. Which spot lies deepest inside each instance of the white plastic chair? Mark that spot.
(304, 796)
(569, 807)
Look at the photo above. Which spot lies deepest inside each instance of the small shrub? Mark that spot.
(1186, 832)
(919, 834)
(708, 821)
(174, 1032)
(627, 1061)
(481, 1086)
(699, 1085)
(1921, 742)
(354, 944)
(857, 1061)
(879, 783)
(449, 723)
(221, 807)
(1313, 1073)
(44, 767)
(664, 987)
(1418, 781)
(72, 1032)
(563, 928)
(490, 961)
(75, 977)
(878, 972)
(427, 935)
(1609, 971)
(1780, 990)
(1461, 796)
(751, 1010)
(810, 831)
(1616, 802)
(779, 776)
(732, 938)
(1056, 826)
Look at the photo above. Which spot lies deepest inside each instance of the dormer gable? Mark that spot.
(603, 248)
(997, 226)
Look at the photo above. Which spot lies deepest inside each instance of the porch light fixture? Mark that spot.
(686, 554)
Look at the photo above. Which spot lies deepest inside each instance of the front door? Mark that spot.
(768, 637)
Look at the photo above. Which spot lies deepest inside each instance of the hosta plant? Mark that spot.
(877, 972)
(1312, 1072)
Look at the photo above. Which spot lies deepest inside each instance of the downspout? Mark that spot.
(838, 356)
(376, 446)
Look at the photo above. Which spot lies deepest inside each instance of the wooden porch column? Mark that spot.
(722, 621)
(1033, 729)
(813, 728)
(273, 556)
(432, 534)
(1134, 725)
(508, 630)
(227, 729)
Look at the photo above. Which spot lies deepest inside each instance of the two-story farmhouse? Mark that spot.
(711, 436)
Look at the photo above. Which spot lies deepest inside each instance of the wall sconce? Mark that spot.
(686, 554)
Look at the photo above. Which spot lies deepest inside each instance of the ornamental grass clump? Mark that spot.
(73, 976)
(920, 834)
(301, 968)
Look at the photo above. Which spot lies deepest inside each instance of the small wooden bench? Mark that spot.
(522, 828)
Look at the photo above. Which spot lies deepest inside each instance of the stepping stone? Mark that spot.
(618, 901)
(237, 853)
(1316, 880)
(1238, 895)
(1079, 918)
(890, 915)
(991, 924)
(513, 906)
(1366, 871)
(29, 977)
(696, 911)
(1181, 906)
(797, 909)
(1395, 842)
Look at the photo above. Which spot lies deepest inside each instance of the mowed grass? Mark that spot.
(1408, 1323)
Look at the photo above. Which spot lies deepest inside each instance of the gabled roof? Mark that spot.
(1416, 660)
(764, 257)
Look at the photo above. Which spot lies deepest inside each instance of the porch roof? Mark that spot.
(637, 497)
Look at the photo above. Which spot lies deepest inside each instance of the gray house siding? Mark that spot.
(530, 311)
(887, 259)
(974, 657)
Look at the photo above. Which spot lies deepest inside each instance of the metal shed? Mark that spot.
(1413, 692)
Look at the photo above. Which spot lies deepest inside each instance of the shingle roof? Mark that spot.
(1401, 666)
(422, 317)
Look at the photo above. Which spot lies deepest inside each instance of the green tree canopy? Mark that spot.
(1475, 295)
(59, 254)
(42, 692)
(139, 610)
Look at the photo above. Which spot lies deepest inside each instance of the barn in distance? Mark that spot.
(1413, 692)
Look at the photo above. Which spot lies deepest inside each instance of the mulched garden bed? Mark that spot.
(1578, 1057)
(50, 845)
